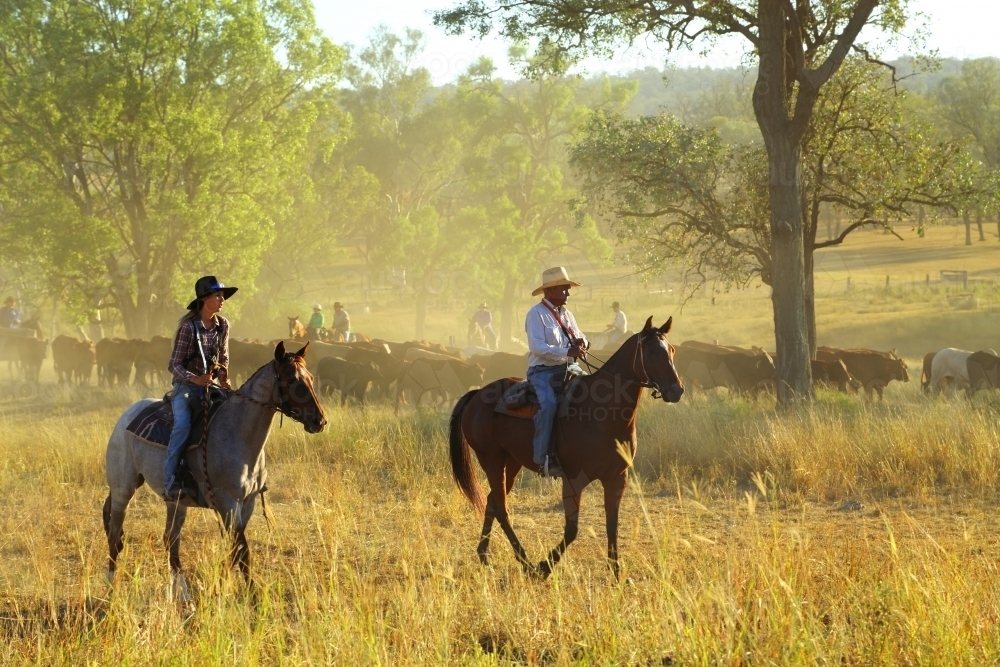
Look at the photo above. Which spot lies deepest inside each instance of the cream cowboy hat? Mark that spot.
(554, 277)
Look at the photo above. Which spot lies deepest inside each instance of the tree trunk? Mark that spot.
(421, 318)
(979, 224)
(968, 227)
(507, 313)
(788, 296)
(810, 287)
(771, 100)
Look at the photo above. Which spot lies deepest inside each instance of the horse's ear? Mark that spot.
(279, 350)
(649, 323)
(301, 353)
(666, 325)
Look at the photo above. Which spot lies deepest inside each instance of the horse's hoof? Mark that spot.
(180, 589)
(544, 569)
(109, 577)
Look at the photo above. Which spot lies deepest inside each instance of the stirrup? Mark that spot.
(546, 471)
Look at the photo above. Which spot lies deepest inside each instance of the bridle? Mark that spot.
(282, 406)
(638, 355)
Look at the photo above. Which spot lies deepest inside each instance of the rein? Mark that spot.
(281, 407)
(637, 354)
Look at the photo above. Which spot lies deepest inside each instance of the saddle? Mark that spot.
(520, 400)
(154, 424)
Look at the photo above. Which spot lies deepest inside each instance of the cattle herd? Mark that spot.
(411, 370)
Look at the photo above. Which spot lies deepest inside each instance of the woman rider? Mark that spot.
(201, 352)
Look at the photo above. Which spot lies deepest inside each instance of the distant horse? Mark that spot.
(600, 418)
(296, 330)
(477, 337)
(231, 472)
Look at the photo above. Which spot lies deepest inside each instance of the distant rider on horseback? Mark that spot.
(316, 323)
(341, 322)
(484, 319)
(555, 343)
(200, 353)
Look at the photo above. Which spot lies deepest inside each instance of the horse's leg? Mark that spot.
(114, 521)
(571, 505)
(614, 489)
(236, 521)
(498, 485)
(511, 469)
(176, 514)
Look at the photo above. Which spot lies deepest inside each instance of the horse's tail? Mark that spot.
(461, 457)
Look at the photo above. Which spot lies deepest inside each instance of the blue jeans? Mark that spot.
(180, 403)
(541, 378)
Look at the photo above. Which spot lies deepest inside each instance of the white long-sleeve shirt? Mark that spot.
(620, 323)
(547, 344)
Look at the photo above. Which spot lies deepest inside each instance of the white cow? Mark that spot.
(950, 364)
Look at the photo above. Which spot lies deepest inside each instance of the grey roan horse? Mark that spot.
(235, 458)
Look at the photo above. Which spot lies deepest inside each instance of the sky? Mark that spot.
(956, 28)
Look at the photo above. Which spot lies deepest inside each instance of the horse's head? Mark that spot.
(656, 360)
(294, 391)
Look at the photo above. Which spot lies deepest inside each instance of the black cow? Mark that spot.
(349, 377)
(736, 370)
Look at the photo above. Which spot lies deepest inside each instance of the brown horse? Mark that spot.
(296, 330)
(600, 415)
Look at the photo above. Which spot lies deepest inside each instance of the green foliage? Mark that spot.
(681, 194)
(155, 138)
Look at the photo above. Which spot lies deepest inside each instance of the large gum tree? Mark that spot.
(799, 45)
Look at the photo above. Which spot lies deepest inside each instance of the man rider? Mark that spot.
(341, 321)
(555, 343)
(618, 325)
(316, 322)
(484, 318)
(10, 316)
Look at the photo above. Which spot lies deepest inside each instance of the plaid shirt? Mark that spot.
(186, 362)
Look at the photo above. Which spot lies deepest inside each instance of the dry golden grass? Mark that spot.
(737, 540)
(734, 546)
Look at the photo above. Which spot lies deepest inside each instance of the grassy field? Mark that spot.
(852, 533)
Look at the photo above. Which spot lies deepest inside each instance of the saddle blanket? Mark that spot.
(519, 400)
(154, 424)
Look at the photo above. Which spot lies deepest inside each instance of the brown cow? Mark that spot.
(115, 357)
(873, 369)
(151, 359)
(348, 377)
(246, 356)
(388, 365)
(927, 373)
(833, 373)
(448, 378)
(500, 365)
(31, 354)
(399, 349)
(73, 359)
(738, 371)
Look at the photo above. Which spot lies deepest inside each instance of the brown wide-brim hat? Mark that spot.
(554, 277)
(209, 285)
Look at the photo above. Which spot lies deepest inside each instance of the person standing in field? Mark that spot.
(618, 325)
(555, 343)
(200, 354)
(316, 322)
(10, 316)
(484, 319)
(341, 322)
